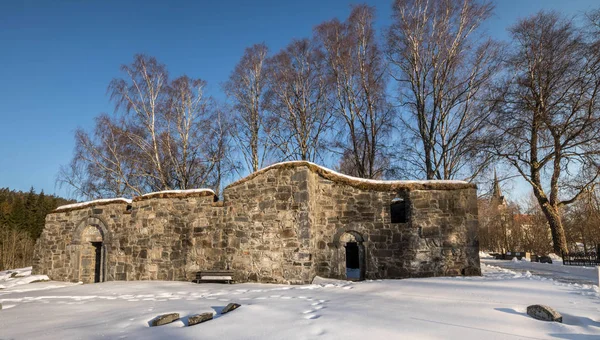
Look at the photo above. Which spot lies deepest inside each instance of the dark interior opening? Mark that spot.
(355, 259)
(399, 211)
(352, 256)
(98, 262)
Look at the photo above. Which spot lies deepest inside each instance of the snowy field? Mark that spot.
(555, 271)
(488, 307)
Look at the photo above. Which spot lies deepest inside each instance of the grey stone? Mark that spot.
(230, 307)
(199, 318)
(544, 313)
(294, 221)
(164, 319)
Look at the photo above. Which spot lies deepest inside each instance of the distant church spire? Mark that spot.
(497, 192)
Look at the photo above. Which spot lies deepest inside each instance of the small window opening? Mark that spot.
(399, 210)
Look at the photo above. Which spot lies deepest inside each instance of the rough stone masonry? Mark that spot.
(286, 223)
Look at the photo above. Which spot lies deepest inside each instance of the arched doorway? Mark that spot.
(91, 263)
(90, 240)
(351, 255)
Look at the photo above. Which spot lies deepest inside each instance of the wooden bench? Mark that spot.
(221, 276)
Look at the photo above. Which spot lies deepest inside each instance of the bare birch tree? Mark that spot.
(192, 135)
(547, 124)
(141, 96)
(161, 137)
(103, 164)
(246, 87)
(356, 69)
(442, 68)
(297, 101)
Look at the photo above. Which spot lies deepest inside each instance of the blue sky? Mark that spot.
(57, 58)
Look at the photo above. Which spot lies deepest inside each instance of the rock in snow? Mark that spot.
(230, 307)
(199, 318)
(544, 313)
(165, 319)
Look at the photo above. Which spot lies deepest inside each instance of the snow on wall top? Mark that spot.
(362, 183)
(158, 194)
(175, 194)
(103, 201)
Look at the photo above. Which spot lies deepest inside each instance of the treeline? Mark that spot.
(22, 216)
(431, 96)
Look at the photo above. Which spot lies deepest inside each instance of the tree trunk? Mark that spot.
(556, 228)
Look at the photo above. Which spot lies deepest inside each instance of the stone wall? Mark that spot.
(283, 224)
(162, 238)
(268, 227)
(63, 250)
(438, 240)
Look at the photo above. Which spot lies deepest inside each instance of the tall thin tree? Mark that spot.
(356, 69)
(246, 88)
(442, 67)
(297, 101)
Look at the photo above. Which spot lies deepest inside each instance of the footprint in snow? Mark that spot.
(312, 316)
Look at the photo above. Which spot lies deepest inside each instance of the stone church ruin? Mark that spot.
(286, 223)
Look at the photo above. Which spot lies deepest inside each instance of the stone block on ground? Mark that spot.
(164, 319)
(230, 307)
(199, 318)
(544, 313)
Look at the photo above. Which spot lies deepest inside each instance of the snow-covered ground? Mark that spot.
(555, 271)
(488, 307)
(16, 277)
